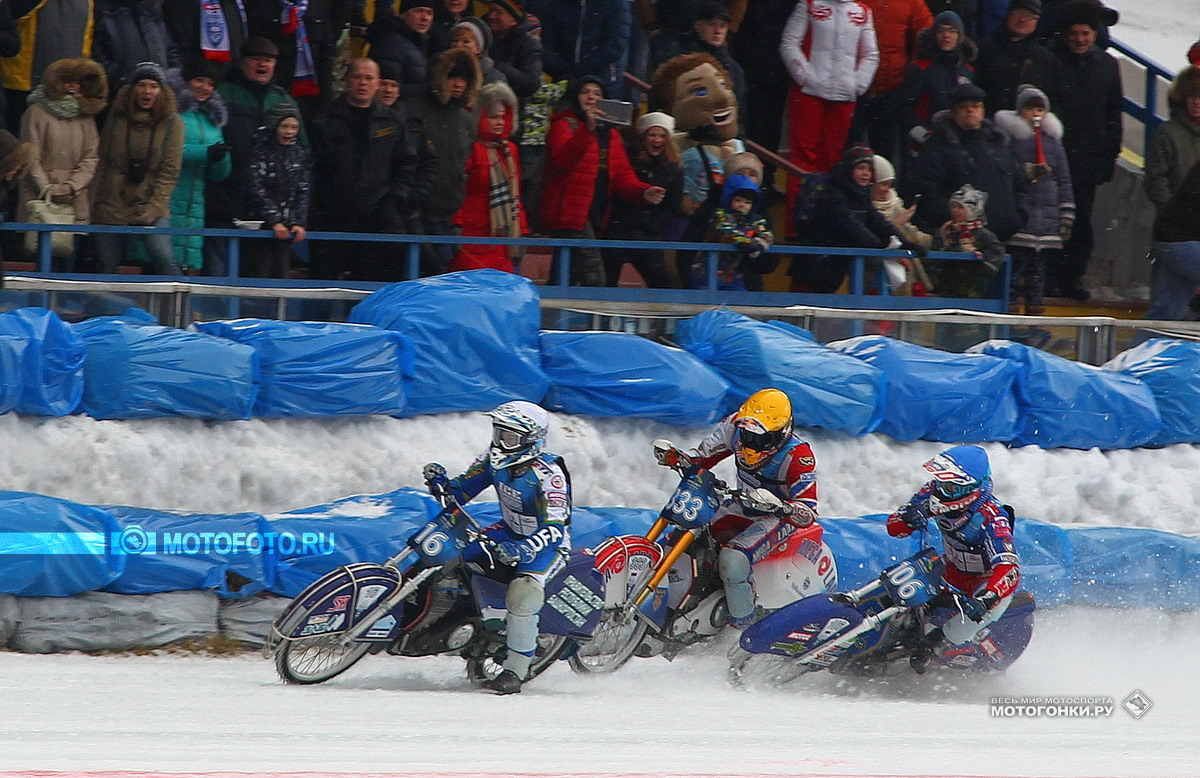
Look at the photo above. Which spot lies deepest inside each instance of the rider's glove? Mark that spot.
(975, 608)
(915, 516)
(667, 455)
(798, 513)
(762, 501)
(436, 480)
(510, 552)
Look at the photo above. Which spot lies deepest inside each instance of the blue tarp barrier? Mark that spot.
(140, 370)
(474, 337)
(52, 382)
(166, 552)
(55, 548)
(622, 374)
(1171, 369)
(1072, 405)
(12, 360)
(364, 528)
(827, 389)
(323, 369)
(1135, 568)
(938, 395)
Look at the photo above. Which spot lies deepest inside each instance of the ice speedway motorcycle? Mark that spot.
(873, 630)
(664, 591)
(427, 600)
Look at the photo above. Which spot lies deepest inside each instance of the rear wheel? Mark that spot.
(317, 659)
(481, 669)
(613, 642)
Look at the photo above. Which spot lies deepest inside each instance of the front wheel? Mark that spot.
(613, 642)
(482, 669)
(317, 659)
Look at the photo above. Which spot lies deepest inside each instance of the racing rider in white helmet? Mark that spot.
(533, 537)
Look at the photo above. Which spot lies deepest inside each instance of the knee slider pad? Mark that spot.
(733, 565)
(525, 596)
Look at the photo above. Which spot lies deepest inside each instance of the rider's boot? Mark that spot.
(926, 648)
(516, 670)
(506, 683)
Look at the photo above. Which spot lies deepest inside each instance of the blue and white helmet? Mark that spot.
(518, 433)
(960, 474)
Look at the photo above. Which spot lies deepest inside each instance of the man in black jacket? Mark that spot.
(1013, 57)
(1091, 115)
(365, 178)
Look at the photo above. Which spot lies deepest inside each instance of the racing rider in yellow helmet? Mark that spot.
(777, 475)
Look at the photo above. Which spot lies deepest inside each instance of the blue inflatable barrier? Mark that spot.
(621, 374)
(323, 369)
(938, 395)
(1171, 369)
(474, 337)
(139, 370)
(166, 552)
(12, 360)
(52, 383)
(55, 548)
(1135, 568)
(827, 389)
(364, 528)
(1072, 405)
(1047, 560)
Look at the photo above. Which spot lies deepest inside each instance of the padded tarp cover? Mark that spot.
(55, 548)
(323, 369)
(1171, 369)
(103, 621)
(52, 384)
(939, 395)
(227, 553)
(137, 370)
(12, 360)
(474, 337)
(827, 389)
(1067, 404)
(363, 528)
(1135, 568)
(622, 374)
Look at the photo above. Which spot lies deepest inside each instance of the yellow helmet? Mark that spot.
(763, 424)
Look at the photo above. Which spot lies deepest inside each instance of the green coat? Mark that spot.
(202, 123)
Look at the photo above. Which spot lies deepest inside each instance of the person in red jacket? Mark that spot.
(586, 166)
(492, 203)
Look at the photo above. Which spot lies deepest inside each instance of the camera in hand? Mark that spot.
(616, 111)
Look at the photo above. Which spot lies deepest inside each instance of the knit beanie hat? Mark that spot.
(147, 71)
(966, 93)
(656, 119)
(1033, 6)
(948, 18)
(478, 28)
(280, 111)
(462, 66)
(511, 7)
(201, 68)
(857, 154)
(408, 5)
(884, 170)
(390, 70)
(1027, 93)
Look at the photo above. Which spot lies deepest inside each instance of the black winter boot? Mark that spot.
(505, 683)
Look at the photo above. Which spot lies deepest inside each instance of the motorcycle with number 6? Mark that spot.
(873, 630)
(664, 591)
(427, 600)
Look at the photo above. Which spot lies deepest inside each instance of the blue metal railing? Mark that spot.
(857, 297)
(1146, 111)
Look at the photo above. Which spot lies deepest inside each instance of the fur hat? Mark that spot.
(656, 119)
(147, 71)
(1093, 13)
(972, 200)
(741, 161)
(884, 170)
(1186, 84)
(1027, 93)
(478, 28)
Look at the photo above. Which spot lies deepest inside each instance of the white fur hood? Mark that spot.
(1016, 128)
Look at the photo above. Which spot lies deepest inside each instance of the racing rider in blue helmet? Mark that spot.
(533, 537)
(777, 473)
(977, 535)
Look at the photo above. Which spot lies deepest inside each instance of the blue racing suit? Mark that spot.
(533, 537)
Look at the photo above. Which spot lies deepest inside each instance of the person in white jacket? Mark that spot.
(830, 52)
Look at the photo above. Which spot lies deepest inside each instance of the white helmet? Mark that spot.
(518, 433)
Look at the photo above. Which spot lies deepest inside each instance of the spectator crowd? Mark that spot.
(966, 125)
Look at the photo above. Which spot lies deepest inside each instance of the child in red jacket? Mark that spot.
(492, 203)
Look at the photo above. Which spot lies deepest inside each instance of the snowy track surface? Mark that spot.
(196, 714)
